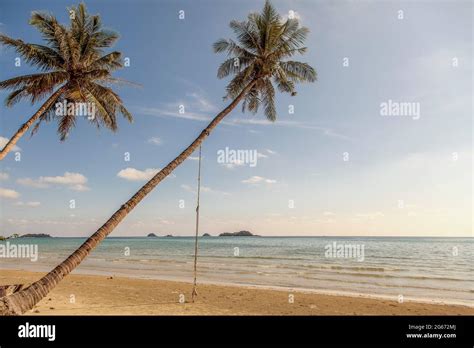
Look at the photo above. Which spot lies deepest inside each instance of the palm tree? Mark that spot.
(264, 44)
(74, 69)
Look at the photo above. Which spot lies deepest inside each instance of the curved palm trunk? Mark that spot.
(24, 300)
(19, 133)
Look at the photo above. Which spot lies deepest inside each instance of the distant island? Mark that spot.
(238, 234)
(152, 235)
(35, 235)
(169, 235)
(28, 235)
(206, 235)
(13, 236)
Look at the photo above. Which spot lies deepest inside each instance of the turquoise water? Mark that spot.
(439, 269)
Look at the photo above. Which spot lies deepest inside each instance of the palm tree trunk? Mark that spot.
(24, 300)
(19, 133)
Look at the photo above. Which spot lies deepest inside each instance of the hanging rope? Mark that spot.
(194, 293)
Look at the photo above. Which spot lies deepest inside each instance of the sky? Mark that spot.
(336, 166)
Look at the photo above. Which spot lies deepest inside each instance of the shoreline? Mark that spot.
(118, 295)
(326, 292)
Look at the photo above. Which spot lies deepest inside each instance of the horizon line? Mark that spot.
(262, 236)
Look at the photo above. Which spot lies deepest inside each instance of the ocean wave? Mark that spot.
(386, 285)
(417, 277)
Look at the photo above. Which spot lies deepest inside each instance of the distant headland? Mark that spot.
(238, 234)
(28, 235)
(36, 235)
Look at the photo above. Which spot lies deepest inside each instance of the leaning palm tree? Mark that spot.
(259, 59)
(74, 68)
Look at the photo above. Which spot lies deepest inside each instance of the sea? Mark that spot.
(402, 269)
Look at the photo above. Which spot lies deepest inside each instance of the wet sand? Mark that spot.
(103, 295)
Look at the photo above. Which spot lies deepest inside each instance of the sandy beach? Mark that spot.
(104, 295)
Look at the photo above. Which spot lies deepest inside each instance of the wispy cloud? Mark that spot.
(240, 163)
(173, 112)
(369, 216)
(199, 101)
(164, 221)
(195, 106)
(29, 182)
(287, 124)
(133, 174)
(7, 193)
(4, 176)
(271, 152)
(34, 222)
(155, 141)
(233, 165)
(256, 180)
(205, 189)
(72, 181)
(28, 204)
(266, 153)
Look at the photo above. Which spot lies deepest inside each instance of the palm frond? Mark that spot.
(78, 25)
(247, 36)
(269, 14)
(251, 101)
(65, 124)
(232, 66)
(73, 57)
(96, 74)
(104, 115)
(15, 96)
(283, 83)
(43, 57)
(264, 42)
(113, 99)
(47, 116)
(109, 61)
(239, 82)
(49, 79)
(46, 25)
(232, 48)
(119, 81)
(34, 86)
(292, 43)
(268, 99)
(300, 72)
(123, 110)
